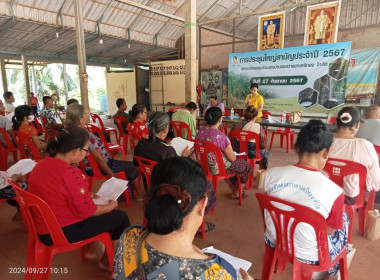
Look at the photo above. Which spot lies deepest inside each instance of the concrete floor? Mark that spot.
(238, 231)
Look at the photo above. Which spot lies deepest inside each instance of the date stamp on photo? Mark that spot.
(38, 270)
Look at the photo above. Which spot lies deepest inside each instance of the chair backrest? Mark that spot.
(44, 122)
(266, 114)
(244, 137)
(205, 149)
(332, 120)
(178, 127)
(7, 139)
(145, 167)
(98, 132)
(173, 109)
(94, 166)
(337, 169)
(97, 119)
(35, 210)
(119, 120)
(286, 221)
(26, 149)
(38, 126)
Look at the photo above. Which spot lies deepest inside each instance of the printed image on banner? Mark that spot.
(310, 78)
(271, 31)
(362, 77)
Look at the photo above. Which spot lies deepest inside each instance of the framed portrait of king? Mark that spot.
(271, 31)
(322, 22)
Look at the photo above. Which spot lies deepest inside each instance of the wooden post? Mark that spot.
(81, 52)
(26, 77)
(3, 75)
(190, 51)
(65, 87)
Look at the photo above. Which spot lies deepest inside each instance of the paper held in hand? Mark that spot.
(23, 166)
(237, 263)
(179, 144)
(110, 190)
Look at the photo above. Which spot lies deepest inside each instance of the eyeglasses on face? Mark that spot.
(86, 150)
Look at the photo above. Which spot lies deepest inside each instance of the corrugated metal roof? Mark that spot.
(33, 27)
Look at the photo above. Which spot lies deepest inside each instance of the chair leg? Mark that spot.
(271, 141)
(288, 143)
(42, 262)
(203, 233)
(343, 269)
(268, 263)
(282, 140)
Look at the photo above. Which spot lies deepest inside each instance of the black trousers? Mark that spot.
(114, 222)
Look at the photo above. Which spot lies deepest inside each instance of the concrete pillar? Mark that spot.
(190, 51)
(65, 88)
(3, 75)
(81, 52)
(26, 77)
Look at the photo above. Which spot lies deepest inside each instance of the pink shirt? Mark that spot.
(361, 151)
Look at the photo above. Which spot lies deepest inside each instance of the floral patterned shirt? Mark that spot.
(49, 115)
(96, 143)
(218, 138)
(125, 261)
(139, 129)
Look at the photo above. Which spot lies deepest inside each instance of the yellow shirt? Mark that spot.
(256, 101)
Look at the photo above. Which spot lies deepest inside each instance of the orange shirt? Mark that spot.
(25, 133)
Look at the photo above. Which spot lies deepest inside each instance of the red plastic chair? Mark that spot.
(336, 170)
(28, 150)
(244, 137)
(288, 133)
(173, 109)
(332, 120)
(45, 122)
(11, 148)
(125, 136)
(266, 114)
(145, 167)
(39, 256)
(178, 129)
(99, 176)
(203, 149)
(284, 251)
(38, 126)
(111, 147)
(96, 119)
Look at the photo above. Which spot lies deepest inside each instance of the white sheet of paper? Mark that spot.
(110, 190)
(240, 154)
(237, 263)
(179, 144)
(273, 119)
(23, 166)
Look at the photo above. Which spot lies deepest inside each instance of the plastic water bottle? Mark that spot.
(232, 114)
(284, 117)
(198, 112)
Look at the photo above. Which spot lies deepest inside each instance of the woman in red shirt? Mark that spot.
(64, 188)
(138, 118)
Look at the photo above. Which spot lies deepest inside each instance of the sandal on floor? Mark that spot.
(243, 194)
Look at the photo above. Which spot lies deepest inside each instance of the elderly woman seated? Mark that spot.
(347, 146)
(77, 115)
(322, 195)
(212, 134)
(249, 124)
(175, 211)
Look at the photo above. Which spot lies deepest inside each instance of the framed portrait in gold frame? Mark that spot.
(271, 31)
(322, 22)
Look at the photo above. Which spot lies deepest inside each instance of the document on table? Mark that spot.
(110, 190)
(273, 119)
(23, 166)
(237, 263)
(179, 144)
